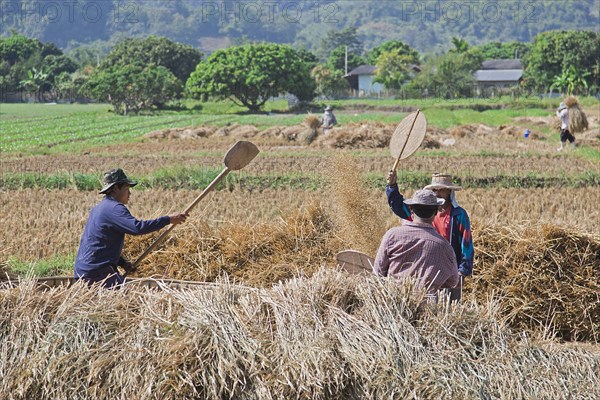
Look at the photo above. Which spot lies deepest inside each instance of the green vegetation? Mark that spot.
(425, 27)
(58, 265)
(196, 178)
(51, 129)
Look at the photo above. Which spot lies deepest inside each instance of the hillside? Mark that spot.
(427, 26)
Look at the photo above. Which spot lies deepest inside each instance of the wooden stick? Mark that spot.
(187, 210)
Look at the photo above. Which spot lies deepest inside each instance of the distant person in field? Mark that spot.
(416, 250)
(328, 120)
(563, 114)
(451, 221)
(102, 240)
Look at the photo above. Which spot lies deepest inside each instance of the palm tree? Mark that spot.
(35, 82)
(571, 81)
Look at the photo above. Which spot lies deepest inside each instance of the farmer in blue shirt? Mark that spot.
(102, 240)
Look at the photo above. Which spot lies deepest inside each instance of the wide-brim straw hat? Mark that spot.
(113, 177)
(442, 181)
(424, 197)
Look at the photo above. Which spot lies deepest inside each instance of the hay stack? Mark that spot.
(365, 135)
(312, 122)
(542, 276)
(332, 336)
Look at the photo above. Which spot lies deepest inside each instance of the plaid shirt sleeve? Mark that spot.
(382, 260)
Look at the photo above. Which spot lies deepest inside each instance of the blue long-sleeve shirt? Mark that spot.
(396, 202)
(104, 235)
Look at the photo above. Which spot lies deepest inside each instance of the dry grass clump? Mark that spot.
(544, 277)
(366, 135)
(333, 336)
(182, 133)
(360, 224)
(257, 255)
(578, 121)
(430, 143)
(312, 122)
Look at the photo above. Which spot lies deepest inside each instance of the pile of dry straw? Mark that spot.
(543, 277)
(332, 336)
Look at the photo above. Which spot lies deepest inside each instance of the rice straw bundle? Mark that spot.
(577, 119)
(312, 121)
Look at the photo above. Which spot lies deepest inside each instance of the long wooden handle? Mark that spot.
(395, 167)
(187, 210)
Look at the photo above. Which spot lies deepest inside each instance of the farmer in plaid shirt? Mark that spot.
(452, 221)
(416, 250)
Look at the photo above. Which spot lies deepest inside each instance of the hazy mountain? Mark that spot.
(426, 25)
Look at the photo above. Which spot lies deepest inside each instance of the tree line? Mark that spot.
(146, 73)
(426, 25)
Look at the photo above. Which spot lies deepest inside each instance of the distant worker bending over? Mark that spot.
(102, 240)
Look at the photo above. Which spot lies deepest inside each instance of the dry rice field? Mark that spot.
(275, 319)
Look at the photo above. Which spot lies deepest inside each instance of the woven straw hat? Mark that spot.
(424, 197)
(442, 181)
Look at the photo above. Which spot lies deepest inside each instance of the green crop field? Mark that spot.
(56, 128)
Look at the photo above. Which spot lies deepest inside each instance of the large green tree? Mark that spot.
(250, 74)
(17, 48)
(27, 64)
(393, 69)
(330, 83)
(180, 59)
(498, 50)
(553, 54)
(337, 60)
(394, 47)
(134, 87)
(448, 76)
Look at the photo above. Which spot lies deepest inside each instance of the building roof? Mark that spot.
(498, 75)
(363, 70)
(511, 63)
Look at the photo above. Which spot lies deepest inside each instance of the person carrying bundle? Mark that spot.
(571, 120)
(563, 113)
